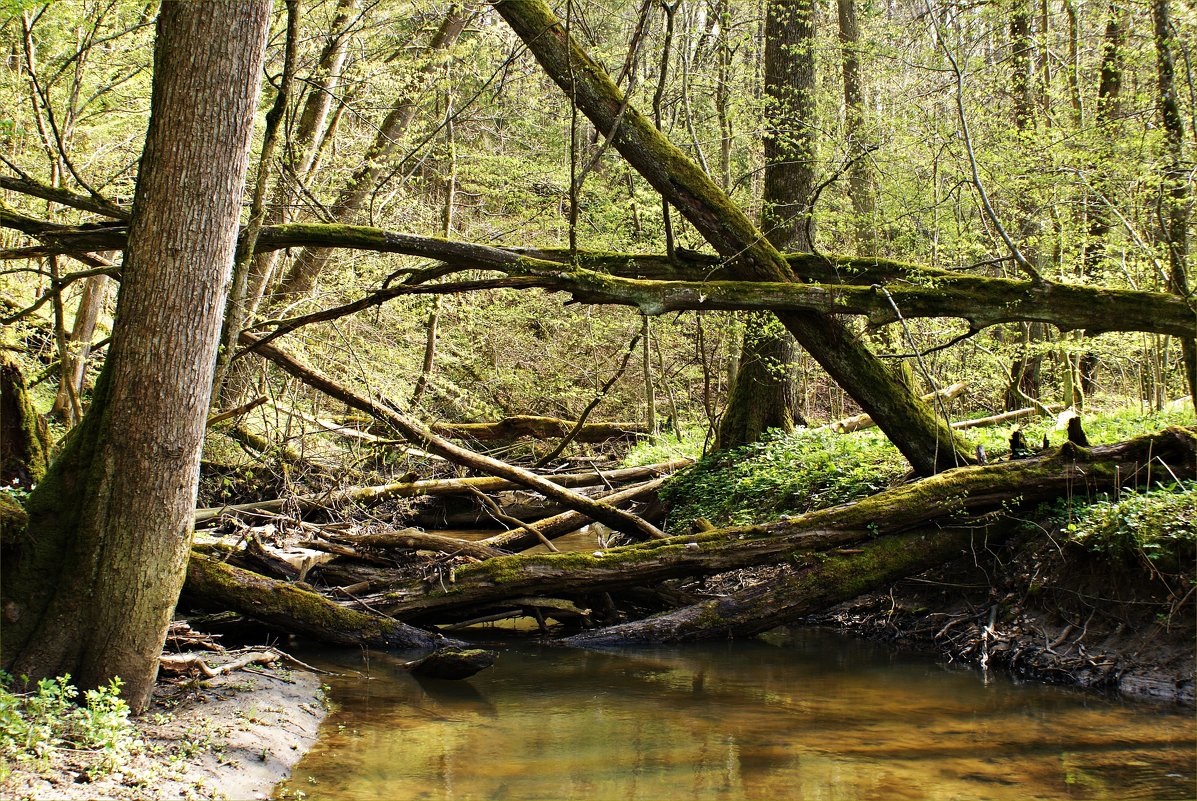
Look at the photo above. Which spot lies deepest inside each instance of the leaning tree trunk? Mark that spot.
(924, 439)
(763, 396)
(92, 591)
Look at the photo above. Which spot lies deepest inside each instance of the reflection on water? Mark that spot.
(823, 717)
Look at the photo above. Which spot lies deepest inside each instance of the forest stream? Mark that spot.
(816, 714)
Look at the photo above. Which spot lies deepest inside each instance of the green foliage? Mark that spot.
(33, 724)
(1159, 526)
(667, 446)
(783, 474)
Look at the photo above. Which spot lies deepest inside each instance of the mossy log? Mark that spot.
(657, 284)
(820, 581)
(970, 493)
(296, 610)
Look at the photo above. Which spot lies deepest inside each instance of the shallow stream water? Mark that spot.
(819, 716)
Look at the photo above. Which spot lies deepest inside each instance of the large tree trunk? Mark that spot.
(762, 396)
(923, 438)
(109, 532)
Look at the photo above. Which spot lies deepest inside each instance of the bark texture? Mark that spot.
(110, 527)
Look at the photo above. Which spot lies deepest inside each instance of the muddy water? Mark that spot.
(821, 716)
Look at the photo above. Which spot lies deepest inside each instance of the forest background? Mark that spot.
(1002, 140)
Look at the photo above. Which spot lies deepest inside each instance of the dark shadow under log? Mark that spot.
(820, 582)
(295, 610)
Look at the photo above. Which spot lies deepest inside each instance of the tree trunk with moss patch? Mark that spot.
(24, 439)
(94, 586)
(296, 610)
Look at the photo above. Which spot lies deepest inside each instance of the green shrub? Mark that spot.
(782, 474)
(1160, 526)
(33, 724)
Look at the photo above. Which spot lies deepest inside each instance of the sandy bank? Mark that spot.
(235, 738)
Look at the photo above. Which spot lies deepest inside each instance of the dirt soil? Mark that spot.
(235, 737)
(1044, 611)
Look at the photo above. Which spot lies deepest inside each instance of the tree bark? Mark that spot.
(924, 439)
(24, 439)
(110, 527)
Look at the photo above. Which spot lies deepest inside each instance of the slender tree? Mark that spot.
(93, 587)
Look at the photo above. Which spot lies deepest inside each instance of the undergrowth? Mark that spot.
(1159, 527)
(786, 474)
(33, 725)
(782, 474)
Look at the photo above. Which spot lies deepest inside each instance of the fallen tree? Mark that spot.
(949, 498)
(420, 436)
(367, 496)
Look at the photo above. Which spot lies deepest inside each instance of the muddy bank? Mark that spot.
(1045, 611)
(235, 737)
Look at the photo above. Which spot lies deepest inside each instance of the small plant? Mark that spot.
(33, 724)
(1159, 526)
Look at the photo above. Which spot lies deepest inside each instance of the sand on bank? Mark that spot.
(235, 737)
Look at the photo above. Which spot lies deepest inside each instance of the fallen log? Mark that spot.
(953, 496)
(518, 539)
(535, 427)
(1005, 417)
(287, 606)
(859, 421)
(420, 436)
(413, 539)
(817, 584)
(441, 486)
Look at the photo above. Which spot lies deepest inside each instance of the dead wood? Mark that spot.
(294, 609)
(972, 493)
(440, 486)
(519, 539)
(414, 539)
(817, 584)
(237, 411)
(189, 663)
(1004, 417)
(421, 437)
(535, 427)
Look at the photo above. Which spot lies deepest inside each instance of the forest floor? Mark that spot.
(1043, 612)
(236, 737)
